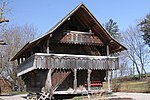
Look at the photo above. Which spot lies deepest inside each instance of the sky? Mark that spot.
(44, 14)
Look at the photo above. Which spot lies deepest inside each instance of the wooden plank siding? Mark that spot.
(67, 61)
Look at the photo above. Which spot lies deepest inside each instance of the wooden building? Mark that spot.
(74, 52)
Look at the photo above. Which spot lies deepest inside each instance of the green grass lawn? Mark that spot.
(129, 86)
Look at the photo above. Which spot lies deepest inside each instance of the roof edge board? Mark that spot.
(97, 21)
(100, 25)
(65, 18)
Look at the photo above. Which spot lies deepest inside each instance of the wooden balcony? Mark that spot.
(67, 61)
(76, 37)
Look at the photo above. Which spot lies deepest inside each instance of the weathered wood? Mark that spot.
(108, 81)
(18, 60)
(107, 48)
(26, 66)
(76, 61)
(75, 81)
(90, 31)
(88, 79)
(58, 78)
(108, 72)
(21, 59)
(48, 83)
(47, 46)
(49, 61)
(31, 51)
(77, 37)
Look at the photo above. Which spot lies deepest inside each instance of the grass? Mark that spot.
(130, 86)
(14, 93)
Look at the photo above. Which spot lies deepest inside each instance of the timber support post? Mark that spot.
(108, 72)
(108, 81)
(48, 84)
(75, 81)
(47, 46)
(88, 80)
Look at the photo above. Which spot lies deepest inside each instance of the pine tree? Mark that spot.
(113, 29)
(145, 28)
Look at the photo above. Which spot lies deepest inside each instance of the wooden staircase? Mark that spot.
(58, 78)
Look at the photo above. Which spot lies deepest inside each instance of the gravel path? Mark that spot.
(134, 96)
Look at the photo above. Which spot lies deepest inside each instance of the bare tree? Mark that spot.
(124, 68)
(3, 5)
(137, 51)
(16, 37)
(3, 11)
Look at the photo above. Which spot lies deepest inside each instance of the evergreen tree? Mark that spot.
(113, 29)
(145, 28)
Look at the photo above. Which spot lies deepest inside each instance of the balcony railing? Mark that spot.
(77, 37)
(67, 61)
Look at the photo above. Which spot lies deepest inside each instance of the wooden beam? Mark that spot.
(108, 72)
(31, 51)
(21, 59)
(48, 83)
(47, 46)
(108, 81)
(75, 81)
(107, 49)
(18, 60)
(88, 79)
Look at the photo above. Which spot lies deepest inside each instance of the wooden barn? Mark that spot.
(72, 54)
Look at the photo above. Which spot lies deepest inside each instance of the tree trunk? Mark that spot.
(144, 71)
(137, 68)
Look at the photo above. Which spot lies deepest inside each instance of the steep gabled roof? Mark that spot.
(82, 13)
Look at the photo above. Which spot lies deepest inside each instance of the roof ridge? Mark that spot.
(60, 22)
(65, 18)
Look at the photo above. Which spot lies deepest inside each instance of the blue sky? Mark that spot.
(43, 14)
